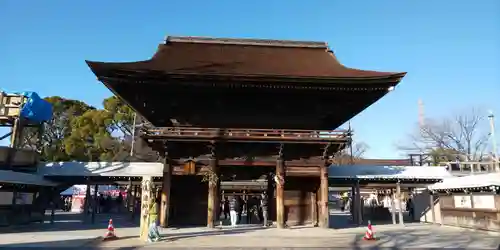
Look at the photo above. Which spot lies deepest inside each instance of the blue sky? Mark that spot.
(450, 49)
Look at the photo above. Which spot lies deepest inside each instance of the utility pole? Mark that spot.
(351, 144)
(491, 117)
(134, 127)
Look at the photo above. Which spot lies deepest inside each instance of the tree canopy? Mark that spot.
(463, 137)
(81, 132)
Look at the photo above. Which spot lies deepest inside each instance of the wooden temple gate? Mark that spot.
(243, 108)
(294, 187)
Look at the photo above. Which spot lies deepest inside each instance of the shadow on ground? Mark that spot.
(80, 243)
(66, 221)
(240, 230)
(390, 237)
(425, 237)
(172, 236)
(340, 220)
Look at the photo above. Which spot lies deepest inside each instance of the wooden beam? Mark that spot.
(314, 163)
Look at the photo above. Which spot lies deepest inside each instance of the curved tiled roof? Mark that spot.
(244, 57)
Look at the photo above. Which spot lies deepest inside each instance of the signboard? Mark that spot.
(190, 167)
(462, 201)
(484, 201)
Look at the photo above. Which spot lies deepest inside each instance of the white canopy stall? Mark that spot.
(478, 181)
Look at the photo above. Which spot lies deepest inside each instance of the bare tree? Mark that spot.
(346, 156)
(461, 137)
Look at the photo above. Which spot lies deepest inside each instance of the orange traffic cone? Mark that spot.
(369, 235)
(110, 234)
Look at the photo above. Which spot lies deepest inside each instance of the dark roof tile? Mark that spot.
(244, 57)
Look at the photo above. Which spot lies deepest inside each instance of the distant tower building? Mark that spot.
(421, 113)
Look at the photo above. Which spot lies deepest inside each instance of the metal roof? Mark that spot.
(12, 177)
(122, 169)
(388, 172)
(471, 181)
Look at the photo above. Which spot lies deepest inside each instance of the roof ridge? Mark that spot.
(246, 41)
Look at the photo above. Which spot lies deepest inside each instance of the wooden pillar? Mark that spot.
(16, 130)
(212, 192)
(324, 214)
(218, 197)
(134, 202)
(280, 193)
(53, 199)
(94, 203)
(431, 204)
(129, 194)
(314, 209)
(271, 195)
(86, 203)
(14, 201)
(393, 206)
(146, 196)
(14, 198)
(359, 205)
(353, 204)
(165, 191)
(398, 195)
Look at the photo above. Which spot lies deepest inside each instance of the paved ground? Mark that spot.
(251, 237)
(69, 230)
(410, 236)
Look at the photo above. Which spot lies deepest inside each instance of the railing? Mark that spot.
(470, 167)
(246, 134)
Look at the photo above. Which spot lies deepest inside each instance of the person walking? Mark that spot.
(225, 207)
(410, 208)
(264, 208)
(233, 210)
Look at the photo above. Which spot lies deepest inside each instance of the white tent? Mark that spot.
(81, 189)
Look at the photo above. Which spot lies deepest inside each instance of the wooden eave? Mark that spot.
(138, 77)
